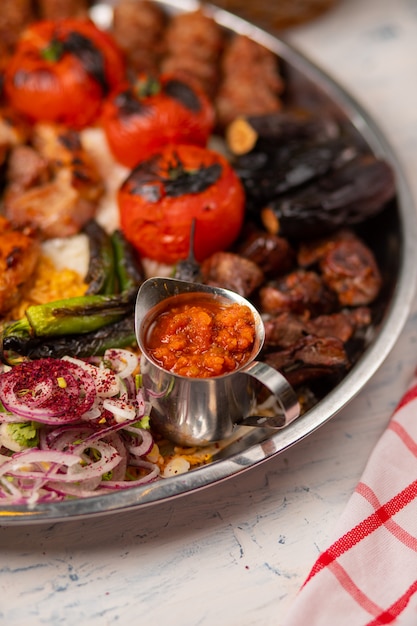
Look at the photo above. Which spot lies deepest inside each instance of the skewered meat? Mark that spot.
(55, 190)
(138, 28)
(15, 15)
(19, 253)
(231, 271)
(251, 83)
(61, 9)
(193, 44)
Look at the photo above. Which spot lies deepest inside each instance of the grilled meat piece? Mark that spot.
(26, 168)
(60, 190)
(298, 292)
(61, 9)
(273, 254)
(19, 253)
(286, 329)
(13, 131)
(193, 44)
(251, 82)
(232, 271)
(348, 267)
(310, 359)
(15, 15)
(138, 28)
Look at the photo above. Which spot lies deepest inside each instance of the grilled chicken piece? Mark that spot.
(26, 169)
(60, 190)
(19, 254)
(13, 131)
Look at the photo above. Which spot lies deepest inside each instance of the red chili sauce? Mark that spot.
(201, 338)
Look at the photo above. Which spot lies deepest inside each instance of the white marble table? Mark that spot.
(236, 554)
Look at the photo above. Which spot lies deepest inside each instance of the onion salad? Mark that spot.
(74, 428)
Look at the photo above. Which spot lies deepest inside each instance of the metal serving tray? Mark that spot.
(393, 239)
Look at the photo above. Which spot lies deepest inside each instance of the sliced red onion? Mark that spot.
(121, 410)
(10, 488)
(122, 361)
(154, 472)
(40, 458)
(49, 391)
(95, 411)
(84, 489)
(68, 438)
(119, 471)
(140, 399)
(109, 459)
(106, 382)
(145, 445)
(11, 418)
(82, 406)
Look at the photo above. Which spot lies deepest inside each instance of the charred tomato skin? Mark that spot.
(163, 195)
(62, 70)
(150, 112)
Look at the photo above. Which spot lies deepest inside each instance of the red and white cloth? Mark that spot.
(368, 575)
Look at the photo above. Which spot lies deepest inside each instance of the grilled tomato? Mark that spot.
(62, 70)
(152, 111)
(163, 195)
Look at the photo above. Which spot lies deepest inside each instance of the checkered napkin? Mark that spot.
(368, 575)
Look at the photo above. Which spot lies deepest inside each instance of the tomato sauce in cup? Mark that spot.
(199, 337)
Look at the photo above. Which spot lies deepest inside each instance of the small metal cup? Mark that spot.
(199, 411)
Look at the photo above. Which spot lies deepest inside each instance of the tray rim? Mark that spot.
(395, 318)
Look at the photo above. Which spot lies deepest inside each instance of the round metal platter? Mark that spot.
(392, 238)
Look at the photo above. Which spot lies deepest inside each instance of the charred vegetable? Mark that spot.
(129, 270)
(61, 71)
(120, 334)
(163, 195)
(74, 316)
(151, 111)
(348, 195)
(101, 268)
(266, 174)
(263, 132)
(114, 265)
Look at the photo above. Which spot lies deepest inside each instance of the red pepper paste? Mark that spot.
(202, 338)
